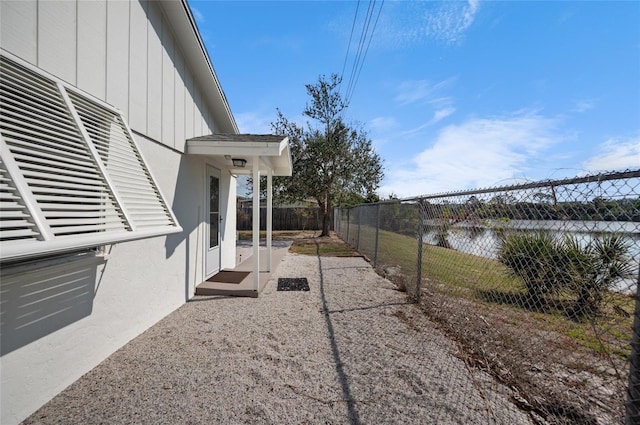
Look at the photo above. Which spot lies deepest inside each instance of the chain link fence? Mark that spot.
(536, 282)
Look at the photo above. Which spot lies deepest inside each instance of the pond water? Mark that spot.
(484, 240)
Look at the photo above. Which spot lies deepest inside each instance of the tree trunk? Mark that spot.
(325, 209)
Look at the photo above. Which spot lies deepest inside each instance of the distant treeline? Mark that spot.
(403, 217)
(597, 210)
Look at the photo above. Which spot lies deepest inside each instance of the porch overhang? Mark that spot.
(261, 155)
(271, 151)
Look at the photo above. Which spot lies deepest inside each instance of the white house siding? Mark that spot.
(57, 43)
(180, 111)
(139, 284)
(79, 313)
(92, 62)
(138, 68)
(117, 56)
(169, 71)
(155, 88)
(124, 53)
(18, 30)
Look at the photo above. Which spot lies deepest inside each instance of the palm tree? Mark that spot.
(595, 268)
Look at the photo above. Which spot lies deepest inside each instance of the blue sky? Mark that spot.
(454, 95)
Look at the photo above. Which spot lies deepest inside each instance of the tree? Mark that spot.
(595, 268)
(332, 163)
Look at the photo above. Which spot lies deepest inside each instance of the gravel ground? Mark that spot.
(349, 351)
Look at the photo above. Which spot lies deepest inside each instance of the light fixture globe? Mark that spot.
(239, 162)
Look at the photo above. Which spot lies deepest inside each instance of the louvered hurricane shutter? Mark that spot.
(124, 164)
(16, 223)
(71, 174)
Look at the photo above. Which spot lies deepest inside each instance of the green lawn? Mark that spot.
(488, 283)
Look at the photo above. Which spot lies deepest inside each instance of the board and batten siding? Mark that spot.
(124, 53)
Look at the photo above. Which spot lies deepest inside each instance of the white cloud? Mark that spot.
(254, 123)
(422, 90)
(583, 106)
(478, 153)
(382, 124)
(410, 23)
(438, 116)
(451, 20)
(442, 114)
(615, 154)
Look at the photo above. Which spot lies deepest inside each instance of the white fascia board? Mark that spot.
(284, 144)
(275, 155)
(205, 147)
(285, 163)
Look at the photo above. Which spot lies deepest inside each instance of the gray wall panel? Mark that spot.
(57, 39)
(189, 104)
(154, 72)
(138, 67)
(118, 55)
(92, 47)
(180, 114)
(168, 88)
(18, 33)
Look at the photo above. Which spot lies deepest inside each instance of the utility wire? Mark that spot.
(363, 36)
(363, 48)
(359, 70)
(346, 56)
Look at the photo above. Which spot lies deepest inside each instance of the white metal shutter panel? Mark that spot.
(124, 164)
(16, 223)
(69, 178)
(53, 157)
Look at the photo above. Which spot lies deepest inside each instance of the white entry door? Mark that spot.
(212, 239)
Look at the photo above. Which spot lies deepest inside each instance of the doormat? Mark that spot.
(293, 284)
(228, 276)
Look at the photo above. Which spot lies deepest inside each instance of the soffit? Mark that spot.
(271, 151)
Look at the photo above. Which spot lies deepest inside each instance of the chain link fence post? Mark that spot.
(420, 232)
(375, 251)
(348, 224)
(359, 225)
(633, 386)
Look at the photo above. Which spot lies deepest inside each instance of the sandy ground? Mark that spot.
(349, 351)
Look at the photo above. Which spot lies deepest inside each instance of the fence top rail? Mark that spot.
(592, 178)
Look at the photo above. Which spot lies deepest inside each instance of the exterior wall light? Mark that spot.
(239, 162)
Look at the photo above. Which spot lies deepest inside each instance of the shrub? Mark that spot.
(546, 265)
(595, 268)
(538, 259)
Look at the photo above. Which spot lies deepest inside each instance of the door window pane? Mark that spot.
(214, 211)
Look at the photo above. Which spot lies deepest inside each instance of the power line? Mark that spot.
(363, 35)
(346, 56)
(366, 35)
(375, 24)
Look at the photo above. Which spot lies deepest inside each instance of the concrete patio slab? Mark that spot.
(245, 287)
